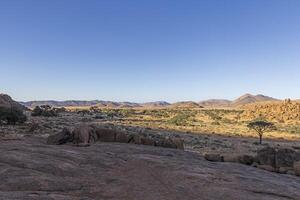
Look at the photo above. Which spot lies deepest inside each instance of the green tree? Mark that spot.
(260, 127)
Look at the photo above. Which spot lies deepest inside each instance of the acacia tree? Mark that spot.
(260, 127)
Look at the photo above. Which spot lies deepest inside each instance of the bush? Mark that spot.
(45, 111)
(95, 109)
(12, 116)
(181, 119)
(84, 112)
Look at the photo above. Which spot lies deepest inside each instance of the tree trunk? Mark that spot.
(260, 138)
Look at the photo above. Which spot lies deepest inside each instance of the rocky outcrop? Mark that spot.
(284, 111)
(45, 111)
(280, 160)
(84, 134)
(32, 170)
(11, 112)
(243, 159)
(60, 138)
(7, 102)
(297, 168)
(107, 135)
(214, 157)
(235, 158)
(266, 156)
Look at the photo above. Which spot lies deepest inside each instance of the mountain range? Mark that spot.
(243, 100)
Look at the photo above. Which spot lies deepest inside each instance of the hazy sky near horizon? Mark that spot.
(141, 50)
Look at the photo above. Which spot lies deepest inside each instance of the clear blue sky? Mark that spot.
(147, 50)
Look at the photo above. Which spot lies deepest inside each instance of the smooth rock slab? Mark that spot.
(30, 169)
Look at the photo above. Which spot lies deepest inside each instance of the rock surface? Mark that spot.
(7, 102)
(60, 138)
(84, 134)
(279, 159)
(30, 169)
(297, 168)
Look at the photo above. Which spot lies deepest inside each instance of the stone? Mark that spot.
(297, 168)
(214, 157)
(33, 127)
(60, 138)
(231, 158)
(246, 159)
(284, 170)
(291, 172)
(254, 164)
(135, 139)
(267, 168)
(165, 142)
(285, 157)
(277, 158)
(84, 134)
(106, 135)
(147, 141)
(266, 156)
(122, 137)
(179, 143)
(243, 159)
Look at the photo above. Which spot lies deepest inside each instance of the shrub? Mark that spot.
(84, 112)
(95, 109)
(12, 116)
(180, 119)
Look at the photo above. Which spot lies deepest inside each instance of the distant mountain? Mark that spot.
(75, 103)
(155, 104)
(185, 104)
(215, 103)
(32, 104)
(243, 100)
(108, 104)
(249, 98)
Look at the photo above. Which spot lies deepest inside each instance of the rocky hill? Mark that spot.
(249, 98)
(215, 103)
(185, 104)
(155, 104)
(283, 111)
(240, 101)
(7, 102)
(30, 169)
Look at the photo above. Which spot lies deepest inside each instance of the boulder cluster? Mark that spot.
(84, 135)
(280, 160)
(47, 111)
(284, 111)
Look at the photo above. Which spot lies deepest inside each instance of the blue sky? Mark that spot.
(141, 50)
